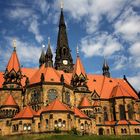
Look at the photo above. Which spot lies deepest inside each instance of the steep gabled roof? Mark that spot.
(80, 114)
(119, 91)
(13, 62)
(122, 122)
(10, 101)
(85, 102)
(56, 105)
(79, 68)
(50, 75)
(26, 113)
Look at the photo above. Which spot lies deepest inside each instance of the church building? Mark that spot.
(60, 96)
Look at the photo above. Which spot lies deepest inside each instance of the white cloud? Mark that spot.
(19, 13)
(41, 5)
(33, 27)
(29, 19)
(135, 81)
(120, 62)
(93, 11)
(128, 25)
(100, 45)
(134, 50)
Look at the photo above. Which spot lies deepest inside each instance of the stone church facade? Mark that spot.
(61, 96)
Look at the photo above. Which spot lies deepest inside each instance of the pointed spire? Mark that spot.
(79, 68)
(62, 21)
(13, 61)
(49, 55)
(42, 57)
(10, 101)
(13, 73)
(63, 58)
(85, 102)
(105, 69)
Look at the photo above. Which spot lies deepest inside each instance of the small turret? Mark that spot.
(49, 55)
(42, 57)
(106, 69)
(13, 73)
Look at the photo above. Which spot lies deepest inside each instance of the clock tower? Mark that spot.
(63, 59)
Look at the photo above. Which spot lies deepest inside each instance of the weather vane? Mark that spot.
(14, 44)
(48, 40)
(62, 4)
(77, 50)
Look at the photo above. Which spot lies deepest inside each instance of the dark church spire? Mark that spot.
(63, 59)
(105, 69)
(49, 55)
(42, 57)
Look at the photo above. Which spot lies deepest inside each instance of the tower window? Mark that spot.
(122, 112)
(52, 95)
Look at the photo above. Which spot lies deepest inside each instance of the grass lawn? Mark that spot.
(67, 137)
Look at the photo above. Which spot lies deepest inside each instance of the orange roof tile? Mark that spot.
(26, 113)
(134, 122)
(78, 112)
(78, 68)
(85, 102)
(1, 79)
(102, 84)
(10, 101)
(50, 75)
(119, 91)
(96, 103)
(121, 122)
(56, 105)
(13, 62)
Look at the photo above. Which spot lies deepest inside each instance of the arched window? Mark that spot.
(35, 97)
(64, 51)
(67, 97)
(105, 114)
(55, 123)
(47, 123)
(52, 95)
(64, 123)
(82, 126)
(122, 112)
(130, 111)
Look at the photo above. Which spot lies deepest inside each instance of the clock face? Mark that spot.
(65, 62)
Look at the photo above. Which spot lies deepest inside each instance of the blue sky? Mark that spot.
(101, 28)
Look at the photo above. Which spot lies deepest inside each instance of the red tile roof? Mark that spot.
(110, 122)
(26, 113)
(85, 102)
(1, 79)
(134, 122)
(50, 75)
(119, 91)
(10, 101)
(122, 122)
(79, 113)
(96, 103)
(13, 62)
(78, 68)
(54, 106)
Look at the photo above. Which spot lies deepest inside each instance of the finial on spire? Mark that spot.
(48, 40)
(62, 4)
(14, 44)
(43, 46)
(77, 50)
